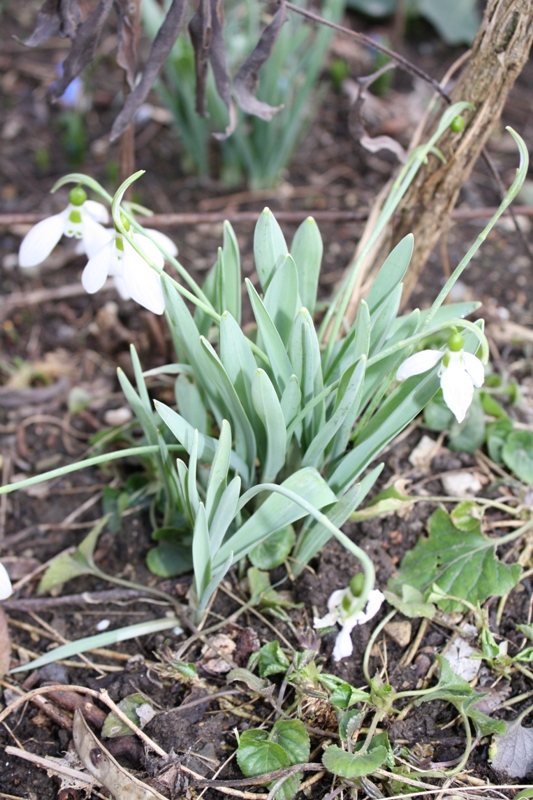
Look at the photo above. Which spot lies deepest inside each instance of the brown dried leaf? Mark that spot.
(247, 77)
(205, 29)
(375, 143)
(84, 46)
(161, 47)
(55, 18)
(5, 644)
(128, 44)
(101, 765)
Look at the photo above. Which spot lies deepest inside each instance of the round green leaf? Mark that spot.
(257, 755)
(291, 735)
(517, 454)
(274, 549)
(353, 765)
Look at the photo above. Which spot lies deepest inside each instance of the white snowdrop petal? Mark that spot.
(151, 250)
(457, 389)
(142, 282)
(163, 240)
(474, 368)
(6, 590)
(41, 239)
(121, 288)
(96, 210)
(343, 644)
(94, 236)
(97, 269)
(374, 603)
(325, 622)
(418, 363)
(335, 599)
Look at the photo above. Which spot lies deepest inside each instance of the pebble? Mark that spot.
(461, 484)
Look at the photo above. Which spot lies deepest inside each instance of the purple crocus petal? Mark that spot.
(41, 239)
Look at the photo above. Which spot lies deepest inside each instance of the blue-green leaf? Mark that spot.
(270, 340)
(217, 481)
(269, 411)
(269, 246)
(391, 274)
(231, 274)
(307, 249)
(282, 299)
(201, 552)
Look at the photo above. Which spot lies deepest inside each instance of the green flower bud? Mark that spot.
(77, 196)
(457, 124)
(456, 342)
(356, 584)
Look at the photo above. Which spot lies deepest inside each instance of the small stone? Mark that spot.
(399, 632)
(423, 452)
(461, 484)
(117, 416)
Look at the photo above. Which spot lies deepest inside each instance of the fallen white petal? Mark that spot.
(41, 239)
(418, 363)
(325, 622)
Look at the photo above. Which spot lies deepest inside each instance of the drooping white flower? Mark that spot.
(134, 278)
(82, 218)
(341, 606)
(6, 590)
(459, 373)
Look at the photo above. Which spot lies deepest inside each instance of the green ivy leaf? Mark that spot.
(462, 563)
(273, 551)
(353, 765)
(517, 454)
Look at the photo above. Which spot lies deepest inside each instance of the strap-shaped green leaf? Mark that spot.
(239, 362)
(347, 406)
(224, 513)
(282, 299)
(270, 413)
(192, 478)
(191, 403)
(201, 552)
(291, 401)
(218, 383)
(394, 415)
(269, 246)
(382, 319)
(391, 273)
(207, 445)
(218, 475)
(271, 340)
(307, 250)
(355, 344)
(314, 536)
(231, 283)
(275, 513)
(304, 352)
(139, 379)
(145, 417)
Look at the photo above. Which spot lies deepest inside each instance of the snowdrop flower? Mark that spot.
(459, 373)
(340, 610)
(134, 278)
(6, 590)
(81, 218)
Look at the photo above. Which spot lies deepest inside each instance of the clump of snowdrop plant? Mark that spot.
(266, 451)
(344, 609)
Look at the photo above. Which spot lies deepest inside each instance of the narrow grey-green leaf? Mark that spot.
(307, 249)
(224, 513)
(218, 474)
(271, 340)
(201, 552)
(269, 245)
(391, 273)
(270, 413)
(282, 299)
(304, 352)
(238, 360)
(232, 279)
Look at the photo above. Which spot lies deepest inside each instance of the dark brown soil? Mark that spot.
(80, 340)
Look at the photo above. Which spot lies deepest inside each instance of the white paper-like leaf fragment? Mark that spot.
(513, 751)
